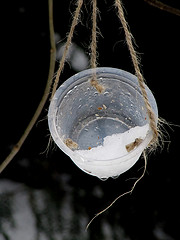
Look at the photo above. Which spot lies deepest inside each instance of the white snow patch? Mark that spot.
(114, 146)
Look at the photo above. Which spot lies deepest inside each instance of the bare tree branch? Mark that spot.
(163, 6)
(38, 111)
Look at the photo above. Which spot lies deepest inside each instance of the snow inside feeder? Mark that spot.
(104, 132)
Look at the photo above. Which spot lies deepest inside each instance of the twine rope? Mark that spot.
(67, 45)
(93, 60)
(123, 194)
(135, 61)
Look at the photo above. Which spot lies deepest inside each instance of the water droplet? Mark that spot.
(128, 94)
(106, 93)
(114, 177)
(70, 92)
(103, 178)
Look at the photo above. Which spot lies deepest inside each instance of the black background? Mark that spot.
(155, 200)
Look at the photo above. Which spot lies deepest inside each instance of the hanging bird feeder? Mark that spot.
(103, 118)
(104, 133)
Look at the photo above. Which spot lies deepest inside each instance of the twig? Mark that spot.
(38, 111)
(163, 6)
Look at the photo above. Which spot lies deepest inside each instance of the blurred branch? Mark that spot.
(38, 111)
(163, 6)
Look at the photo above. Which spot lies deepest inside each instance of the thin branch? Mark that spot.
(38, 111)
(163, 6)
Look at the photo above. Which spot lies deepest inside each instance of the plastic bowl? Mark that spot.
(81, 119)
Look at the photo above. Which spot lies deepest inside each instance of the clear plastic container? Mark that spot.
(83, 121)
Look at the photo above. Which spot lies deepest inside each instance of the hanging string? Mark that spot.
(93, 60)
(67, 45)
(150, 112)
(123, 194)
(140, 78)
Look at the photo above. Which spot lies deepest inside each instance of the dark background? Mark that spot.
(154, 203)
